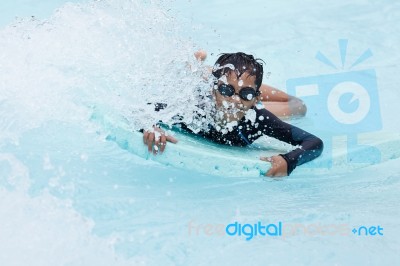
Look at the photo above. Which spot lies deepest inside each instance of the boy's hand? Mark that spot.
(156, 139)
(200, 55)
(278, 166)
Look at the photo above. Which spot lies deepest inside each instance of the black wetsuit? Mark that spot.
(266, 123)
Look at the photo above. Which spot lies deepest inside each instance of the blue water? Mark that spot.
(69, 197)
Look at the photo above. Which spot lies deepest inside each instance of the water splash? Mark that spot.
(120, 55)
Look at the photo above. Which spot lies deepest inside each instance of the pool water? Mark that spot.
(70, 197)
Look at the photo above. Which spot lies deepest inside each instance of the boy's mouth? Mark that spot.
(229, 108)
(232, 110)
(239, 108)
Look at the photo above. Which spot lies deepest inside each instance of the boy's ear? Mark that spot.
(258, 97)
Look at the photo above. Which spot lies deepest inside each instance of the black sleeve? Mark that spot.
(159, 106)
(310, 146)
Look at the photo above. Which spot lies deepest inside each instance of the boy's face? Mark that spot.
(233, 107)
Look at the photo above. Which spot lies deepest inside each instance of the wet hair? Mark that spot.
(242, 63)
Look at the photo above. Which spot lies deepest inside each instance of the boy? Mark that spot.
(240, 118)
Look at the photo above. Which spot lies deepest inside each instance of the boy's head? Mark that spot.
(239, 63)
(239, 78)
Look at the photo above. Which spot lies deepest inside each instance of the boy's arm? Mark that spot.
(310, 146)
(280, 103)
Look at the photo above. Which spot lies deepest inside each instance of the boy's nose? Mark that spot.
(235, 99)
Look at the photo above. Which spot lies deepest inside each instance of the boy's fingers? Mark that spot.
(172, 139)
(266, 159)
(270, 172)
(156, 144)
(145, 135)
(150, 139)
(200, 55)
(163, 142)
(273, 172)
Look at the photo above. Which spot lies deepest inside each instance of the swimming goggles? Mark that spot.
(246, 93)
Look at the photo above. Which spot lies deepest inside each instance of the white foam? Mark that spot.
(102, 53)
(45, 230)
